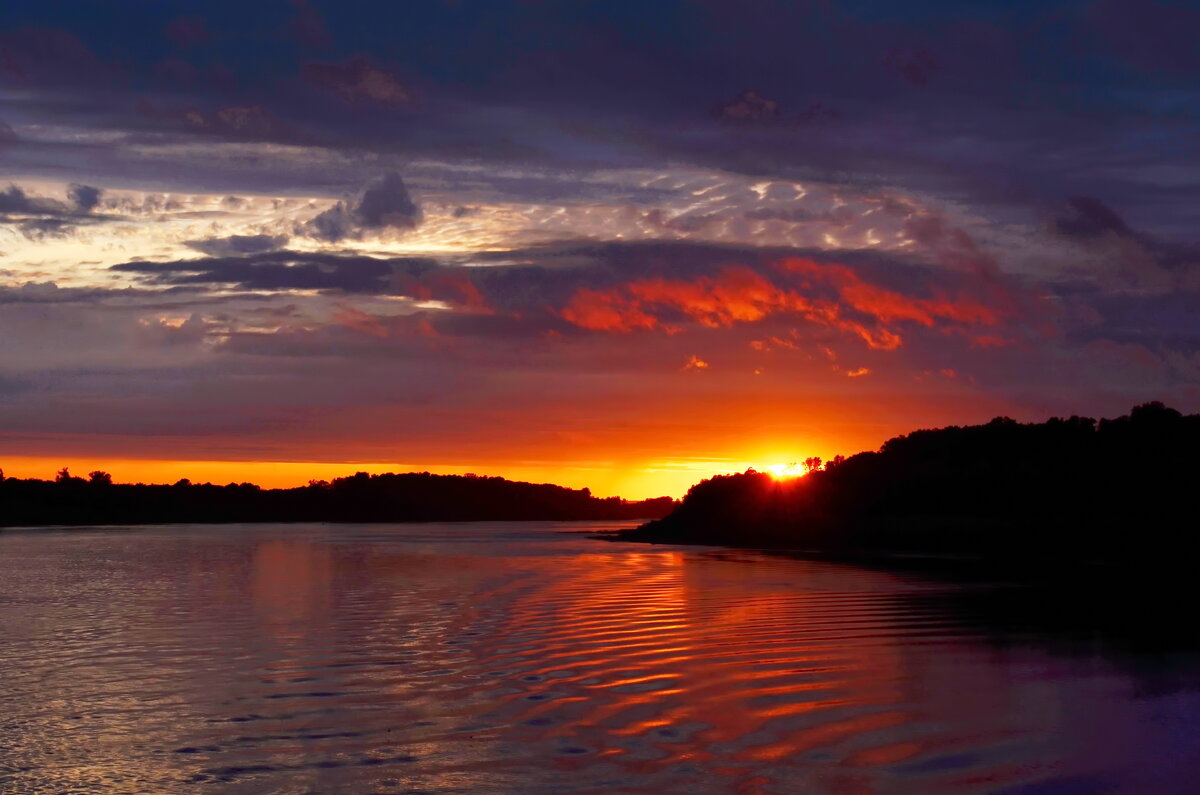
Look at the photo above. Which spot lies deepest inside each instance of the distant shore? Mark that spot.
(407, 497)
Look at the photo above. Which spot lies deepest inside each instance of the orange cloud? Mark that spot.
(738, 294)
(453, 288)
(362, 322)
(383, 326)
(888, 306)
(606, 311)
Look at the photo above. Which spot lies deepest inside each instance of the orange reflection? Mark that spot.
(675, 651)
(291, 588)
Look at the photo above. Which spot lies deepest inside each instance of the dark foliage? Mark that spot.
(413, 497)
(1040, 494)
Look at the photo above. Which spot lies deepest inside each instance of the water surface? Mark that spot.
(525, 658)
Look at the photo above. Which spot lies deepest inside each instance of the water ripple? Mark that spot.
(515, 658)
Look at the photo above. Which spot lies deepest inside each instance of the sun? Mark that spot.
(783, 471)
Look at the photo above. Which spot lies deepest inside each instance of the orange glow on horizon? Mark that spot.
(663, 450)
(671, 479)
(632, 484)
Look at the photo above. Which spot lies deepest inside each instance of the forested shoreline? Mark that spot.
(1066, 491)
(407, 497)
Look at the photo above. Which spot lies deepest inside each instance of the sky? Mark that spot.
(623, 245)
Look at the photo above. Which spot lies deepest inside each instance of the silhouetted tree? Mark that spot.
(1025, 494)
(99, 478)
(812, 464)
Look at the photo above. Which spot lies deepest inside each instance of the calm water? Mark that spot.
(529, 658)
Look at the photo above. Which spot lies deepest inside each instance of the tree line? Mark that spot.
(1068, 489)
(406, 497)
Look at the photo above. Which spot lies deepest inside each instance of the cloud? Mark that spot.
(384, 204)
(614, 289)
(249, 122)
(920, 211)
(421, 281)
(1086, 217)
(39, 216)
(358, 81)
(49, 56)
(312, 340)
(830, 295)
(748, 106)
(14, 200)
(234, 245)
(1119, 257)
(332, 225)
(7, 135)
(84, 197)
(270, 271)
(39, 228)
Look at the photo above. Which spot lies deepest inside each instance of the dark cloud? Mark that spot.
(250, 122)
(1122, 258)
(384, 203)
(14, 200)
(7, 135)
(1011, 113)
(84, 197)
(358, 81)
(235, 245)
(43, 55)
(39, 228)
(282, 271)
(332, 225)
(35, 292)
(39, 217)
(1086, 217)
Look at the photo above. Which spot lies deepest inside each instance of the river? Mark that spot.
(530, 658)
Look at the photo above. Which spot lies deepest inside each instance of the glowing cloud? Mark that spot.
(829, 295)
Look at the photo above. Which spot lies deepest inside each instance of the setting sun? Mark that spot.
(789, 470)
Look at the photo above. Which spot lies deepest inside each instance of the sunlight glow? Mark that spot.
(784, 471)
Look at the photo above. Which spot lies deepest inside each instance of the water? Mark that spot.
(526, 658)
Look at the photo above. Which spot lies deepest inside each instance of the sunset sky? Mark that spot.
(624, 245)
